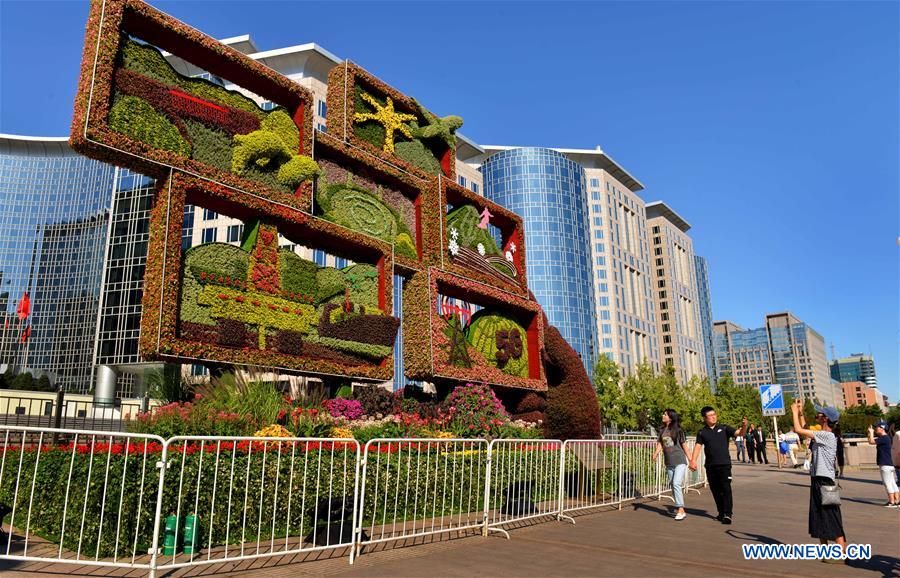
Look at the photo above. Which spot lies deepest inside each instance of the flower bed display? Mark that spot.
(134, 110)
(261, 304)
(469, 247)
(500, 344)
(377, 199)
(372, 115)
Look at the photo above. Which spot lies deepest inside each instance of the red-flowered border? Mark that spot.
(341, 82)
(109, 21)
(162, 279)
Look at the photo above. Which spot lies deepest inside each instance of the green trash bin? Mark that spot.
(171, 545)
(191, 534)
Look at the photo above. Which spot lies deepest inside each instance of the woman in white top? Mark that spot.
(825, 522)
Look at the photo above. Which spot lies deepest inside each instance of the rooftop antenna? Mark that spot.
(833, 356)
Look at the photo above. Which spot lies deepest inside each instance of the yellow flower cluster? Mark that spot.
(273, 431)
(441, 434)
(388, 117)
(342, 432)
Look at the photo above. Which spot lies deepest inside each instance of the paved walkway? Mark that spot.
(642, 540)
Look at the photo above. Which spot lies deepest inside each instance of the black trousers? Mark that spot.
(751, 451)
(719, 478)
(761, 453)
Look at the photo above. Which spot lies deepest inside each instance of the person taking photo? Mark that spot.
(714, 438)
(825, 522)
(879, 437)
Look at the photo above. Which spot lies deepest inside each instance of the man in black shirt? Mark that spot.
(714, 438)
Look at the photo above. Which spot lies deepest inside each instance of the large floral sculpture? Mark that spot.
(377, 192)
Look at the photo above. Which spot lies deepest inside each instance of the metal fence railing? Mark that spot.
(523, 482)
(60, 411)
(414, 488)
(91, 501)
(137, 501)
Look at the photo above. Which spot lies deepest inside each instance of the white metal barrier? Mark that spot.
(522, 483)
(419, 487)
(590, 474)
(235, 498)
(91, 501)
(138, 501)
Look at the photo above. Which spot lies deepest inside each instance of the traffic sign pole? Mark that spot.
(777, 448)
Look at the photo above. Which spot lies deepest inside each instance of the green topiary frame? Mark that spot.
(110, 22)
(160, 338)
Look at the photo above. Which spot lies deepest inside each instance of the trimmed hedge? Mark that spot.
(418, 155)
(501, 339)
(211, 146)
(298, 275)
(572, 409)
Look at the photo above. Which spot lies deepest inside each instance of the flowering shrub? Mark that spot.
(310, 423)
(347, 408)
(341, 432)
(189, 418)
(473, 410)
(273, 431)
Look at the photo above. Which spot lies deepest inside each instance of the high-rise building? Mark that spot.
(857, 367)
(54, 215)
(706, 317)
(858, 393)
(624, 312)
(548, 191)
(675, 285)
(786, 351)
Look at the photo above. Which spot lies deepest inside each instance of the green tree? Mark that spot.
(607, 379)
(23, 381)
(809, 412)
(873, 410)
(893, 416)
(734, 402)
(43, 384)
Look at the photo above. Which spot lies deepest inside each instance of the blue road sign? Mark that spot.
(772, 400)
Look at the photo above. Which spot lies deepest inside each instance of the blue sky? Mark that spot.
(771, 127)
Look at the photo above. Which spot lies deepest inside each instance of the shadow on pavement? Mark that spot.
(668, 512)
(747, 536)
(886, 565)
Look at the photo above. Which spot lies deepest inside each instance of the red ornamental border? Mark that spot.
(162, 280)
(510, 224)
(349, 157)
(341, 81)
(109, 22)
(424, 339)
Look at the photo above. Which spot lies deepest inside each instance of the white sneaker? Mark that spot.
(681, 516)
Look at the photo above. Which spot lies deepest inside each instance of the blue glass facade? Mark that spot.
(54, 220)
(706, 318)
(548, 191)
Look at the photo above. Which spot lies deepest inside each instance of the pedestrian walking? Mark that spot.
(751, 444)
(739, 445)
(825, 522)
(714, 438)
(673, 444)
(759, 441)
(879, 438)
(791, 442)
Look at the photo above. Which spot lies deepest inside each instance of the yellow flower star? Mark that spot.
(388, 117)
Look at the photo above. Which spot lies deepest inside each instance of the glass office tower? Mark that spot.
(54, 217)
(548, 190)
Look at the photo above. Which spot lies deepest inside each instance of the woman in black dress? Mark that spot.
(825, 522)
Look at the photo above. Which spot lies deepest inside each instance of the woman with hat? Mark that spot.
(825, 522)
(882, 445)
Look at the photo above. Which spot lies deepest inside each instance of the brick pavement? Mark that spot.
(642, 540)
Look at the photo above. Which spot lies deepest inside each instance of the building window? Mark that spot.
(661, 283)
(462, 180)
(234, 233)
(668, 351)
(321, 127)
(595, 183)
(595, 196)
(322, 109)
(660, 272)
(655, 230)
(659, 262)
(607, 343)
(209, 215)
(657, 251)
(209, 235)
(474, 187)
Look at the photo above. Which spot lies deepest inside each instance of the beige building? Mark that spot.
(674, 282)
(786, 351)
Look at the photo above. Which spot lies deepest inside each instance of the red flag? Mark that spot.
(26, 334)
(24, 308)
(6, 324)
